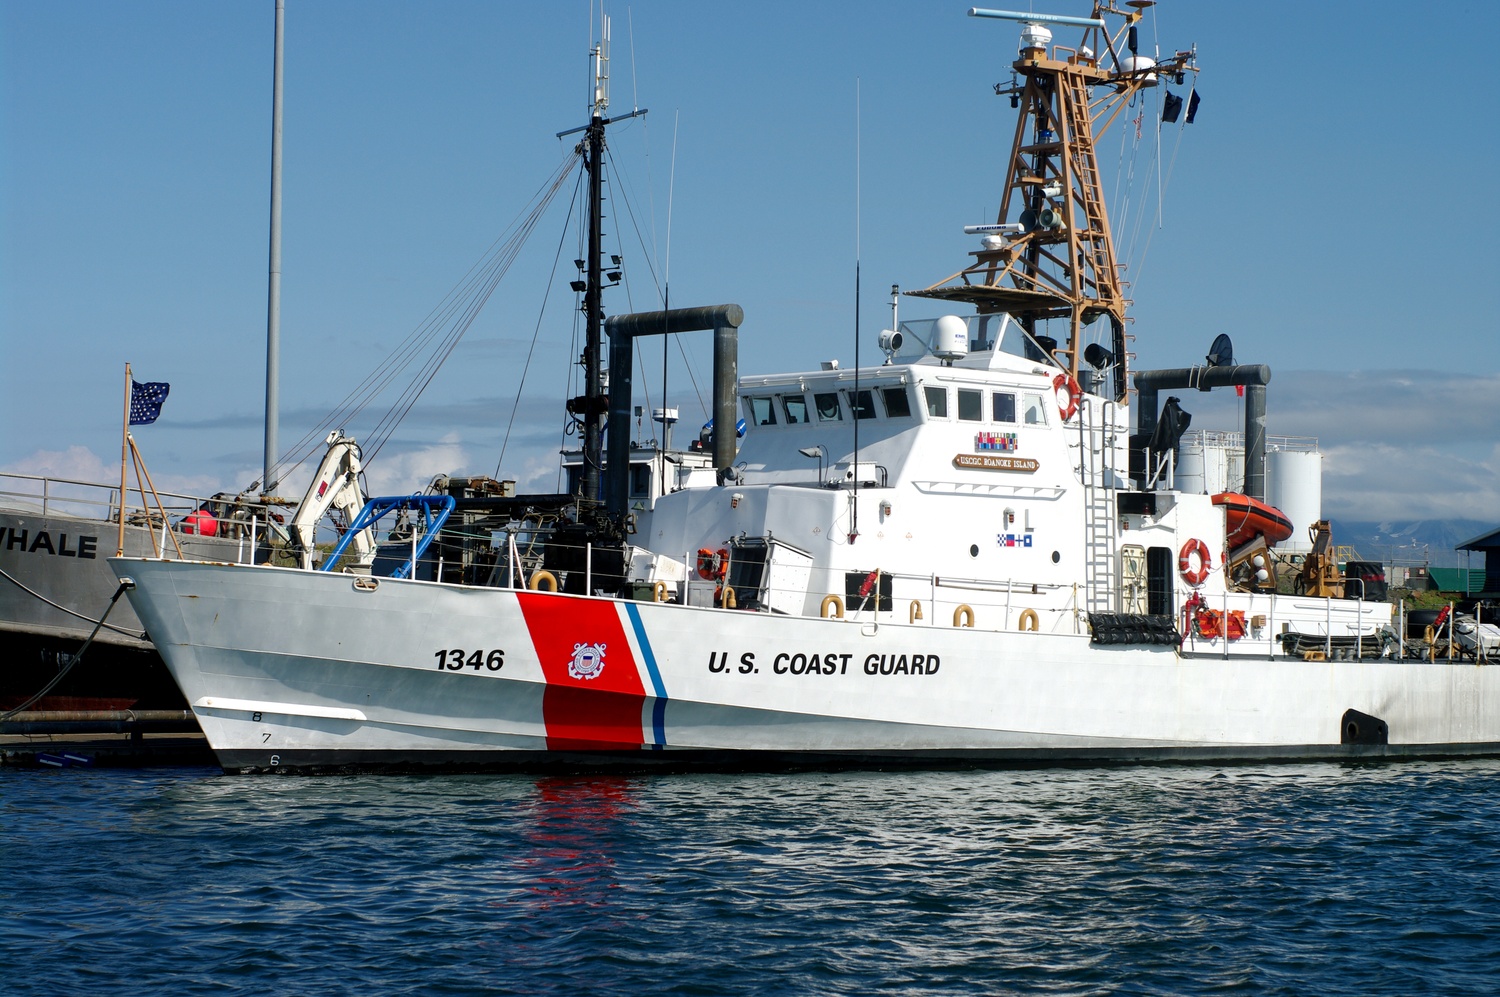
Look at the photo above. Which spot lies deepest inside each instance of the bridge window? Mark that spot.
(862, 404)
(970, 405)
(762, 412)
(937, 401)
(897, 402)
(1003, 406)
(1036, 412)
(640, 480)
(827, 404)
(796, 409)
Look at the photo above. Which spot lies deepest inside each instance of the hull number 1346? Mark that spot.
(454, 659)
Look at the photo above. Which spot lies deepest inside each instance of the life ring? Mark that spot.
(965, 613)
(1028, 616)
(713, 565)
(1067, 404)
(1191, 575)
(836, 603)
(543, 576)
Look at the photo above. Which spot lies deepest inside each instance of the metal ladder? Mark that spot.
(1090, 194)
(1096, 467)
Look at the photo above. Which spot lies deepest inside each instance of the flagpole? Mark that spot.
(273, 295)
(124, 455)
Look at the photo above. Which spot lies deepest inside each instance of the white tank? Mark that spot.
(1234, 471)
(950, 337)
(1190, 467)
(1208, 463)
(1294, 484)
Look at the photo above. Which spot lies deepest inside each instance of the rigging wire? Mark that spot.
(480, 290)
(854, 501)
(375, 382)
(537, 330)
(630, 212)
(487, 271)
(622, 185)
(1176, 146)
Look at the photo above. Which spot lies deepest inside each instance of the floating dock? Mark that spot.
(102, 739)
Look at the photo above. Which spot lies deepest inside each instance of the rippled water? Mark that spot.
(1288, 880)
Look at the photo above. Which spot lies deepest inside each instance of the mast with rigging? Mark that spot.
(592, 407)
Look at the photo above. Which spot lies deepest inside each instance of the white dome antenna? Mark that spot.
(950, 340)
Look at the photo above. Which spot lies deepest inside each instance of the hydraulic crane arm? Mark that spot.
(334, 486)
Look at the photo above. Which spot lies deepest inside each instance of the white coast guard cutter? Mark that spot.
(979, 576)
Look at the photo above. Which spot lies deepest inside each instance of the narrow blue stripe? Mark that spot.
(659, 708)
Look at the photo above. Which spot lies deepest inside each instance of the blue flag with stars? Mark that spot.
(146, 400)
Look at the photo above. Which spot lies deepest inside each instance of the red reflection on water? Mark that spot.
(572, 835)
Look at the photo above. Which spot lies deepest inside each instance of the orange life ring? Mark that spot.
(1191, 575)
(713, 565)
(1066, 404)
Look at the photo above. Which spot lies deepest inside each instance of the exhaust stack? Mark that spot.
(725, 321)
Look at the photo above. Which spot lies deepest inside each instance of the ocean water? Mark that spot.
(1307, 879)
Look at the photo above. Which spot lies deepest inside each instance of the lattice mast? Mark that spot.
(1050, 254)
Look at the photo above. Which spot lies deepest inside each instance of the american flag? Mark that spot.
(146, 400)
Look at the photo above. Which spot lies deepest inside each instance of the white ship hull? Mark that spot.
(291, 670)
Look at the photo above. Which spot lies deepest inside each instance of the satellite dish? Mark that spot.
(1221, 353)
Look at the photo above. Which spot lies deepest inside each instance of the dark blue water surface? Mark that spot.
(1314, 879)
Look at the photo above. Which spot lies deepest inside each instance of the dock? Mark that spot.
(102, 739)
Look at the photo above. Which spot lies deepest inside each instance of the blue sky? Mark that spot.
(1333, 209)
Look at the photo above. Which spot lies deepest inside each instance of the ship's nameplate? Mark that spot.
(995, 462)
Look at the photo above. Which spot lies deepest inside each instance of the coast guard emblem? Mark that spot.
(588, 661)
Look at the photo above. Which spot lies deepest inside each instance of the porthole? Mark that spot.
(1056, 557)
(973, 550)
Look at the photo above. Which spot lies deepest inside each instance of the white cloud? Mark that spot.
(1406, 407)
(410, 471)
(77, 463)
(1400, 445)
(1416, 480)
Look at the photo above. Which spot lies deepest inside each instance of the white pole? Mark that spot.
(1359, 623)
(273, 292)
(1328, 630)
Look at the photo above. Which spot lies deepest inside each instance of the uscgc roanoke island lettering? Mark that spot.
(994, 462)
(41, 542)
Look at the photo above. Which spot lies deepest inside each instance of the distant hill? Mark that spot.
(1422, 541)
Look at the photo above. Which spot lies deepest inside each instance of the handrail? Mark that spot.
(101, 495)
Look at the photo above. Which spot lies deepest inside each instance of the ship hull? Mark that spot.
(55, 584)
(295, 671)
